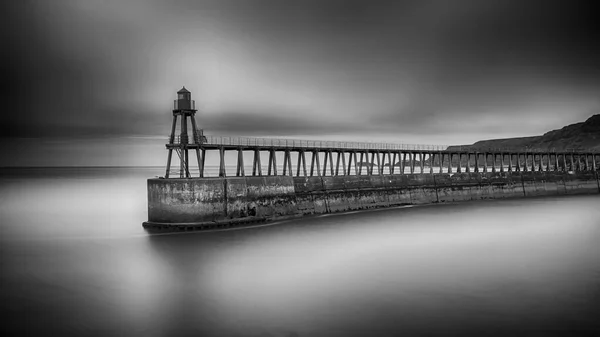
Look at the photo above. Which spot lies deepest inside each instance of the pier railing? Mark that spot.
(190, 105)
(321, 144)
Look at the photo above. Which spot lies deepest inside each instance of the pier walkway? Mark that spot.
(332, 158)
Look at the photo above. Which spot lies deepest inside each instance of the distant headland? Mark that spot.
(583, 136)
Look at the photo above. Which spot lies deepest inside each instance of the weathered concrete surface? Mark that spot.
(185, 200)
(210, 199)
(196, 200)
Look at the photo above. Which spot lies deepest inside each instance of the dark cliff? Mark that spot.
(578, 136)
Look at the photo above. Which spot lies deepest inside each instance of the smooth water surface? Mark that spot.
(76, 261)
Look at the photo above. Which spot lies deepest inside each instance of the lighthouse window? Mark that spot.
(181, 96)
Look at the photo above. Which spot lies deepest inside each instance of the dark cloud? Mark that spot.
(273, 123)
(87, 69)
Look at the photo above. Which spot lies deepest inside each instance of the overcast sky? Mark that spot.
(93, 82)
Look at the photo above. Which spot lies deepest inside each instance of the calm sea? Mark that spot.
(75, 261)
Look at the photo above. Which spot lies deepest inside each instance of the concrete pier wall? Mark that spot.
(203, 200)
(211, 199)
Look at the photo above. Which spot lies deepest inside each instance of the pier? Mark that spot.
(290, 177)
(331, 158)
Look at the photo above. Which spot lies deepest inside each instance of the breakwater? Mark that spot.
(197, 203)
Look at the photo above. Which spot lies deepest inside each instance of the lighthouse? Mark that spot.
(184, 109)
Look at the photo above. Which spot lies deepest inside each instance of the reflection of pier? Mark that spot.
(330, 158)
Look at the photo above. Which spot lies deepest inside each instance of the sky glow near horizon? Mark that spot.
(92, 82)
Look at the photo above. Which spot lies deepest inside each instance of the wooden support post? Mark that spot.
(449, 162)
(240, 164)
(257, 167)
(441, 158)
(222, 162)
(198, 159)
(196, 139)
(587, 162)
(187, 166)
(556, 168)
(458, 168)
(485, 162)
(361, 163)
(298, 164)
(169, 163)
(285, 162)
(594, 165)
(343, 162)
(270, 164)
(330, 162)
(371, 163)
(337, 163)
(274, 162)
(572, 163)
(349, 167)
(379, 163)
(403, 163)
(476, 162)
(286, 157)
(202, 161)
(393, 163)
(533, 162)
(412, 157)
(318, 163)
(468, 167)
(509, 162)
(541, 167)
(172, 137)
(494, 161)
(312, 163)
(355, 164)
(181, 162)
(290, 162)
(349, 163)
(182, 137)
(431, 162)
(421, 163)
(501, 162)
(304, 163)
(325, 163)
(171, 141)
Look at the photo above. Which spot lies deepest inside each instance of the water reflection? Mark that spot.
(80, 263)
(396, 270)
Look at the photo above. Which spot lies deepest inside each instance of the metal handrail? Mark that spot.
(176, 104)
(299, 143)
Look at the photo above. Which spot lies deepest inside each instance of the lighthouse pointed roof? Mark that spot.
(183, 91)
